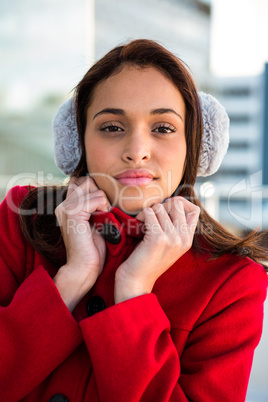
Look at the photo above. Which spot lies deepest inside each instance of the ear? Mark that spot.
(215, 140)
(67, 150)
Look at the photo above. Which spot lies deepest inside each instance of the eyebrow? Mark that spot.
(121, 112)
(164, 110)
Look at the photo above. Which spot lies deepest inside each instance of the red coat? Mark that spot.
(192, 338)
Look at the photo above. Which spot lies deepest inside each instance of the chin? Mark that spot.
(132, 200)
(133, 207)
(130, 208)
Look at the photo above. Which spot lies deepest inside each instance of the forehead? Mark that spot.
(134, 87)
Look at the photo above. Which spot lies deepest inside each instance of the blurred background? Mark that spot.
(47, 46)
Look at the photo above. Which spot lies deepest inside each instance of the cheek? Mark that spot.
(98, 164)
(176, 164)
(96, 158)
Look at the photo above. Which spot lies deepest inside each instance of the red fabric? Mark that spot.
(192, 338)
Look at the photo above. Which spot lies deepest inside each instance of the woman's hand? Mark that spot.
(169, 232)
(85, 248)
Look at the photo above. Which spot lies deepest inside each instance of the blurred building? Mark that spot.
(183, 26)
(240, 184)
(243, 99)
(265, 129)
(26, 150)
(46, 47)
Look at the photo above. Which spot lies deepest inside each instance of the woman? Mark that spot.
(130, 291)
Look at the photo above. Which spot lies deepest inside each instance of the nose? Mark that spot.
(137, 148)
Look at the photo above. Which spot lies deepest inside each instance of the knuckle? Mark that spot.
(178, 204)
(58, 210)
(72, 208)
(101, 193)
(198, 209)
(188, 243)
(180, 199)
(101, 199)
(91, 182)
(161, 238)
(157, 207)
(166, 240)
(177, 241)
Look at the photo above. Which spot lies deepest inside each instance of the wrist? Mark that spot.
(72, 285)
(126, 288)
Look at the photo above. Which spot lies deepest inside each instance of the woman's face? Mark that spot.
(135, 138)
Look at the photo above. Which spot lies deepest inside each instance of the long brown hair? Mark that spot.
(42, 231)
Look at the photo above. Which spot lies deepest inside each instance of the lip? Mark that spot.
(134, 173)
(135, 177)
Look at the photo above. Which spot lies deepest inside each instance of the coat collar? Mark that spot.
(121, 224)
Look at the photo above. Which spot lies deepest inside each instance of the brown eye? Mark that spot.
(164, 129)
(111, 128)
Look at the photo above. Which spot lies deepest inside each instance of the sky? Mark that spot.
(239, 37)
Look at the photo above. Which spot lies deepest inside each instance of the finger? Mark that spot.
(174, 202)
(190, 210)
(168, 203)
(162, 212)
(187, 205)
(192, 220)
(96, 203)
(87, 205)
(140, 216)
(74, 183)
(163, 218)
(192, 213)
(151, 222)
(87, 185)
(99, 193)
(178, 218)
